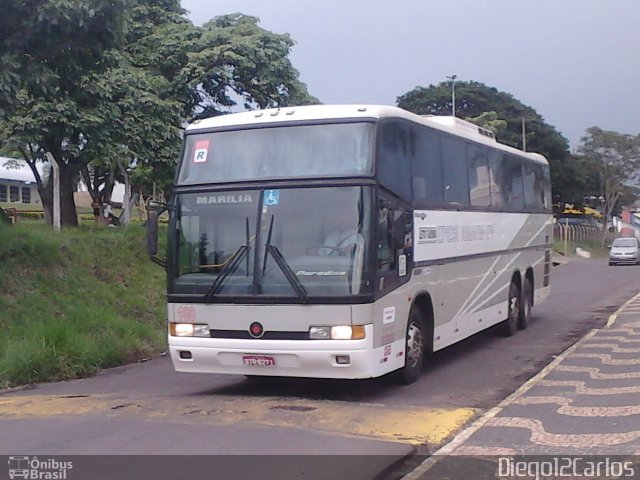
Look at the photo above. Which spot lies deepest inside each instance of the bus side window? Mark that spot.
(534, 195)
(454, 161)
(393, 237)
(385, 255)
(478, 174)
(396, 145)
(426, 168)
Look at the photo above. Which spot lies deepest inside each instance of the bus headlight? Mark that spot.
(339, 332)
(189, 330)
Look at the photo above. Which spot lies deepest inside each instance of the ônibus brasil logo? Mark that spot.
(38, 469)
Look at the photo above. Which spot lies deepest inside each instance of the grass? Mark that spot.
(594, 247)
(74, 302)
(22, 206)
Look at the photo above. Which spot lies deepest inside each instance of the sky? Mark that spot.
(576, 62)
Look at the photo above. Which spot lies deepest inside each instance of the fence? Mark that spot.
(582, 233)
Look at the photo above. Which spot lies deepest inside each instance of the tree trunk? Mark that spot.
(68, 214)
(126, 201)
(46, 192)
(67, 201)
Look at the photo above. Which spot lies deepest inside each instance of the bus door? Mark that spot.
(394, 263)
(394, 245)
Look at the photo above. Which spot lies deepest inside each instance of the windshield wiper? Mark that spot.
(284, 266)
(231, 267)
(288, 273)
(228, 269)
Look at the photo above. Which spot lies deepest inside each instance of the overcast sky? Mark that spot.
(576, 62)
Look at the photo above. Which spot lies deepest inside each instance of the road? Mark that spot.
(343, 429)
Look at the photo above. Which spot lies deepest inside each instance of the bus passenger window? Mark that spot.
(513, 184)
(478, 174)
(534, 195)
(454, 161)
(396, 145)
(426, 168)
(385, 255)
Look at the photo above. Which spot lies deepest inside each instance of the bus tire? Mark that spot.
(526, 303)
(414, 349)
(509, 327)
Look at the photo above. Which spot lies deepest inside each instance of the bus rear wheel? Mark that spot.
(526, 304)
(509, 327)
(414, 349)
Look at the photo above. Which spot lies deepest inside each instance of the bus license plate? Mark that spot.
(259, 360)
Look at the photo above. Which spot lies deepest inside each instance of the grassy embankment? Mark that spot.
(595, 248)
(75, 302)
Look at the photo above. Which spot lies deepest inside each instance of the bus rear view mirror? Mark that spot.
(152, 238)
(152, 234)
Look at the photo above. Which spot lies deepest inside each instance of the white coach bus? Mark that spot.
(348, 241)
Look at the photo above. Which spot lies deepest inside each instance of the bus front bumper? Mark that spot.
(290, 358)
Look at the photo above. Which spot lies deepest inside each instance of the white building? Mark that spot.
(17, 183)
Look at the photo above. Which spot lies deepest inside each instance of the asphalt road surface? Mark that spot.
(299, 428)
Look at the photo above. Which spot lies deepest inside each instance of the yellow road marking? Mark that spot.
(45, 406)
(405, 424)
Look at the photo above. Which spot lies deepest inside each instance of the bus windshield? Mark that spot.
(320, 150)
(286, 242)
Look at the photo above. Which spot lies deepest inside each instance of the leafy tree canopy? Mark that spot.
(103, 85)
(235, 64)
(48, 46)
(615, 159)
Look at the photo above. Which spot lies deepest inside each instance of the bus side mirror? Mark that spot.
(152, 238)
(152, 233)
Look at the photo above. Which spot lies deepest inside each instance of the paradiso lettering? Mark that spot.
(224, 199)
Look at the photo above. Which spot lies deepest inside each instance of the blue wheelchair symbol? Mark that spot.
(271, 197)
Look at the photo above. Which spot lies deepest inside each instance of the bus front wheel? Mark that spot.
(414, 349)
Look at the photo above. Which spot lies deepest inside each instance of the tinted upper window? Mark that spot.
(278, 152)
(426, 168)
(533, 183)
(479, 178)
(396, 147)
(454, 170)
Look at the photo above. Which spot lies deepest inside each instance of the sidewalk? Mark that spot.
(586, 402)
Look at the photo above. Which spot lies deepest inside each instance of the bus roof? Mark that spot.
(453, 125)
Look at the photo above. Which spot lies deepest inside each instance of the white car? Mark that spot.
(625, 250)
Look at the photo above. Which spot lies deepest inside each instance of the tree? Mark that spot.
(238, 65)
(229, 64)
(490, 121)
(616, 157)
(503, 114)
(112, 87)
(141, 95)
(49, 44)
(47, 105)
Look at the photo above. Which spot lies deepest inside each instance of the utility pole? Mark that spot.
(453, 94)
(524, 136)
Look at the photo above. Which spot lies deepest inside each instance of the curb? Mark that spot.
(614, 316)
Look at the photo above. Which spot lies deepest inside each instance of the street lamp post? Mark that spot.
(453, 94)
